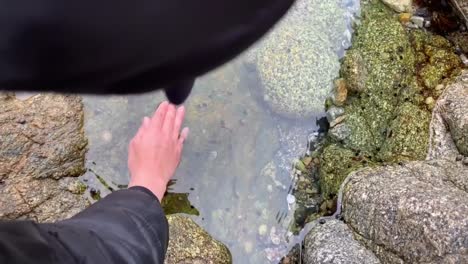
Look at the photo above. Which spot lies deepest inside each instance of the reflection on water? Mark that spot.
(237, 160)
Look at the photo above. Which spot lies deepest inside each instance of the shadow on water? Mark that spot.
(238, 173)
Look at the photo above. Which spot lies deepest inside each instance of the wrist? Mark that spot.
(156, 185)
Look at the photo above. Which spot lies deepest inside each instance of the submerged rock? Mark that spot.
(189, 243)
(333, 243)
(413, 213)
(42, 149)
(299, 60)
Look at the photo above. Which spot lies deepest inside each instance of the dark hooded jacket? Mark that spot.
(127, 226)
(122, 46)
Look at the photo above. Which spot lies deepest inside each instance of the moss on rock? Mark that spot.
(189, 243)
(390, 72)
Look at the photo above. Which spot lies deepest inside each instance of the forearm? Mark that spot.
(127, 226)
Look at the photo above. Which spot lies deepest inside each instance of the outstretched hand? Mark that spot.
(154, 153)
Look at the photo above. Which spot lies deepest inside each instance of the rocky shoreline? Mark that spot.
(392, 171)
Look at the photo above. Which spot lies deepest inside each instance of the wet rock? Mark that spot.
(189, 243)
(418, 21)
(333, 242)
(293, 257)
(390, 72)
(42, 149)
(340, 132)
(334, 112)
(400, 5)
(298, 62)
(341, 92)
(461, 6)
(451, 117)
(411, 213)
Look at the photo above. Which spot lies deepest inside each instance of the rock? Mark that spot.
(462, 7)
(42, 149)
(340, 132)
(334, 112)
(449, 126)
(189, 243)
(413, 213)
(341, 92)
(405, 17)
(298, 62)
(418, 21)
(400, 5)
(333, 242)
(387, 120)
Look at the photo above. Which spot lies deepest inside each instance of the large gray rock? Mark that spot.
(411, 213)
(298, 61)
(449, 127)
(190, 244)
(333, 243)
(42, 147)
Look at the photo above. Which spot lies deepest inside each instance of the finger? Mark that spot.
(183, 135)
(180, 114)
(169, 120)
(146, 122)
(160, 114)
(181, 140)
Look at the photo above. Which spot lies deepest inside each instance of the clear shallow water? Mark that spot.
(237, 161)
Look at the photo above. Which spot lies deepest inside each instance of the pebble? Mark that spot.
(465, 161)
(213, 155)
(405, 17)
(270, 188)
(248, 247)
(307, 160)
(290, 198)
(418, 21)
(429, 101)
(275, 238)
(440, 87)
(106, 136)
(341, 93)
(464, 59)
(262, 230)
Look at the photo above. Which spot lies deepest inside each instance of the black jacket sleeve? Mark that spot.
(121, 46)
(127, 226)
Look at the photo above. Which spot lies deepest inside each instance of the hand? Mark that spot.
(154, 153)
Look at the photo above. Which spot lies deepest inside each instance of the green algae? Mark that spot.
(389, 71)
(174, 203)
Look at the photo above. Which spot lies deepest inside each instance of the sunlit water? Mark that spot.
(237, 160)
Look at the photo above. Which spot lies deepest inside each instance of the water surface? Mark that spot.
(237, 161)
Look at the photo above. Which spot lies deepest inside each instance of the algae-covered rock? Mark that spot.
(391, 73)
(299, 60)
(42, 149)
(189, 243)
(407, 135)
(336, 163)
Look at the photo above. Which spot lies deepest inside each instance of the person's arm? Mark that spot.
(127, 226)
(121, 46)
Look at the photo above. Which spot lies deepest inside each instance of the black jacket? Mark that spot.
(127, 226)
(123, 46)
